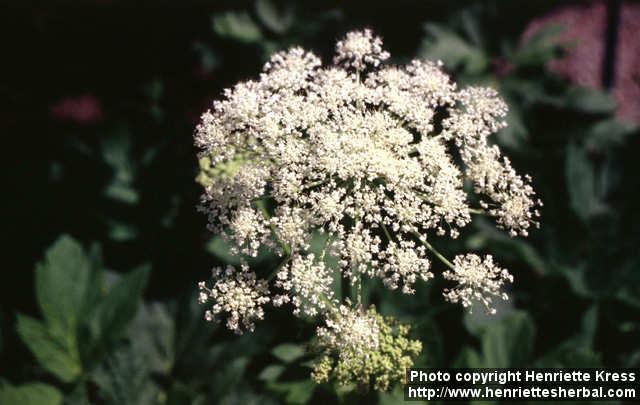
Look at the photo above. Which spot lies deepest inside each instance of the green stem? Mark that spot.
(386, 232)
(434, 251)
(286, 260)
(477, 211)
(314, 184)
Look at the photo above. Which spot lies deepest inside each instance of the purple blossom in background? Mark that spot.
(584, 30)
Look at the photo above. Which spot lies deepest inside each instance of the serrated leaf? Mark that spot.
(288, 352)
(236, 25)
(120, 304)
(30, 394)
(62, 281)
(124, 378)
(57, 354)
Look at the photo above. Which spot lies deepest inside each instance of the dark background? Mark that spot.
(98, 102)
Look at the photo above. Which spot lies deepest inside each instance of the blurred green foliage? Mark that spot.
(73, 331)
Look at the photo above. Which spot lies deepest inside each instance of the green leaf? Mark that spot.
(125, 378)
(540, 48)
(515, 134)
(505, 343)
(153, 337)
(30, 394)
(508, 247)
(221, 249)
(446, 45)
(589, 101)
(478, 321)
(121, 231)
(395, 397)
(288, 352)
(576, 278)
(608, 133)
(119, 306)
(228, 375)
(469, 358)
(78, 395)
(238, 26)
(295, 392)
(568, 355)
(318, 246)
(276, 21)
(586, 336)
(57, 354)
(209, 58)
(580, 177)
(117, 154)
(271, 372)
(509, 343)
(62, 283)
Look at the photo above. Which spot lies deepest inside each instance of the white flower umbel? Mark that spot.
(374, 156)
(238, 295)
(405, 264)
(478, 280)
(308, 283)
(359, 49)
(349, 331)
